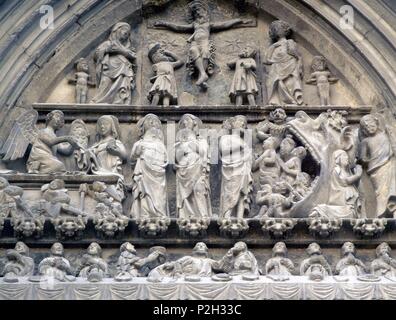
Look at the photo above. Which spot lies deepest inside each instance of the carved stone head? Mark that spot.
(94, 249)
(3, 183)
(239, 247)
(107, 126)
(369, 125)
(82, 65)
(22, 248)
(313, 249)
(147, 123)
(279, 29)
(127, 246)
(278, 116)
(348, 248)
(279, 249)
(383, 249)
(56, 184)
(57, 249)
(55, 119)
(287, 145)
(198, 11)
(201, 249)
(121, 32)
(319, 63)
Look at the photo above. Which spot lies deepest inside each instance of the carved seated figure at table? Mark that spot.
(244, 84)
(108, 153)
(192, 171)
(201, 56)
(93, 267)
(130, 265)
(45, 143)
(102, 193)
(56, 265)
(237, 179)
(279, 264)
(238, 260)
(343, 199)
(58, 200)
(384, 264)
(115, 67)
(284, 80)
(316, 266)
(197, 265)
(82, 80)
(18, 264)
(322, 78)
(349, 265)
(149, 176)
(164, 89)
(379, 160)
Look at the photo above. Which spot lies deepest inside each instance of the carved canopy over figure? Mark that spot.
(384, 264)
(149, 177)
(115, 67)
(237, 180)
(379, 160)
(285, 67)
(108, 153)
(56, 265)
(45, 143)
(192, 170)
(18, 264)
(201, 55)
(349, 265)
(238, 260)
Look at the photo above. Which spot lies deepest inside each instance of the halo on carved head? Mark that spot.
(78, 123)
(141, 123)
(115, 126)
(279, 28)
(153, 48)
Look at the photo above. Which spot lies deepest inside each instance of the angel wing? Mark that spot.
(23, 132)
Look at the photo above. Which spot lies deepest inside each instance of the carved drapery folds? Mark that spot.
(295, 157)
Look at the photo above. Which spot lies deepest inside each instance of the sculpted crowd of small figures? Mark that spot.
(115, 62)
(281, 184)
(238, 261)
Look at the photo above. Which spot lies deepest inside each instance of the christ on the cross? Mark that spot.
(201, 53)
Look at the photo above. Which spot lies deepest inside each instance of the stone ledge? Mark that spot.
(264, 288)
(217, 114)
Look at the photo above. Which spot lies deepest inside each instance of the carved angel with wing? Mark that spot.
(45, 143)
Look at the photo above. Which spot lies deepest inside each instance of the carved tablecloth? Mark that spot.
(140, 289)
